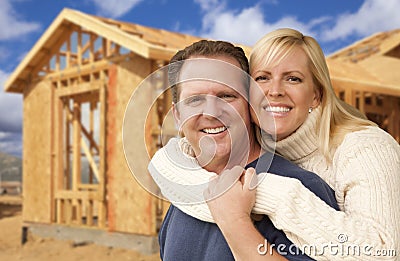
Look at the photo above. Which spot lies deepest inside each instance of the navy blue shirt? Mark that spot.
(183, 237)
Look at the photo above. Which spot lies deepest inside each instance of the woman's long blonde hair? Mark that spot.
(338, 118)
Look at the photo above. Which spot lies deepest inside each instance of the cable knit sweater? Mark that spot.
(365, 174)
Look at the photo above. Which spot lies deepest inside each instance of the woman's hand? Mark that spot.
(231, 196)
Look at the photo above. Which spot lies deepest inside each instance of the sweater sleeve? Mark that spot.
(367, 187)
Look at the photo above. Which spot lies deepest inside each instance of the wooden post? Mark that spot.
(53, 147)
(67, 148)
(91, 133)
(68, 54)
(362, 102)
(60, 211)
(89, 212)
(79, 47)
(348, 96)
(102, 148)
(76, 164)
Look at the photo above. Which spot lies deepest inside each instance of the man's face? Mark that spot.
(213, 116)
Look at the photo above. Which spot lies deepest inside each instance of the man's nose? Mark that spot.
(213, 107)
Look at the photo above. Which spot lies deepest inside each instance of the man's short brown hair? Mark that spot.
(204, 48)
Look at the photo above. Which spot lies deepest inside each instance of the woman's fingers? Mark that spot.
(248, 177)
(223, 182)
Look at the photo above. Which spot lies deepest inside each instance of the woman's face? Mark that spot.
(285, 93)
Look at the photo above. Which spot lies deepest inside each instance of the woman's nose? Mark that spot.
(276, 89)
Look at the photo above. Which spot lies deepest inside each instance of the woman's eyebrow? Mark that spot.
(293, 71)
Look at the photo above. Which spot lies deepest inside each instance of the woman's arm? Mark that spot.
(367, 189)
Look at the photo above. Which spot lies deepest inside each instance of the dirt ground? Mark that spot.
(50, 249)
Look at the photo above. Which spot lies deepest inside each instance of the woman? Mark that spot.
(322, 134)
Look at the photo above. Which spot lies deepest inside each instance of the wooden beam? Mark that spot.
(90, 159)
(110, 32)
(90, 187)
(85, 69)
(81, 195)
(366, 87)
(79, 89)
(85, 132)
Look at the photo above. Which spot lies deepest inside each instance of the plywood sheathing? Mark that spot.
(132, 207)
(37, 153)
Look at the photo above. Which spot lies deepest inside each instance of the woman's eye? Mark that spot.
(261, 78)
(294, 79)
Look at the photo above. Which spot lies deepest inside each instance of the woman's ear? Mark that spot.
(317, 98)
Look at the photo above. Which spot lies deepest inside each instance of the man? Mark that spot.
(211, 110)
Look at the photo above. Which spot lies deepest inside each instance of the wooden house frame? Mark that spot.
(365, 75)
(76, 83)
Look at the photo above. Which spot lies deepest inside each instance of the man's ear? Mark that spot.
(177, 116)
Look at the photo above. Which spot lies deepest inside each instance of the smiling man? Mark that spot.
(210, 86)
(211, 110)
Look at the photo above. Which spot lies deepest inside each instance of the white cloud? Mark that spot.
(10, 120)
(207, 5)
(9, 17)
(245, 26)
(248, 25)
(115, 9)
(10, 108)
(373, 16)
(11, 143)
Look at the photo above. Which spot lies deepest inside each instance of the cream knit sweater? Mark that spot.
(365, 174)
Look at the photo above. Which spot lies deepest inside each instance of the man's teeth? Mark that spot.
(277, 109)
(214, 130)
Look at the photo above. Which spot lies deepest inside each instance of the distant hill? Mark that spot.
(10, 168)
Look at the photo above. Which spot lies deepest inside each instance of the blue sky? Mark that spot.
(334, 23)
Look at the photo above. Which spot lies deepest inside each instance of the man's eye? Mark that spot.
(261, 78)
(228, 97)
(194, 100)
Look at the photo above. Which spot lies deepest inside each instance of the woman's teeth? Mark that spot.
(277, 109)
(214, 130)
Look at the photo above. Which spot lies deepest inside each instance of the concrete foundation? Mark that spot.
(143, 244)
